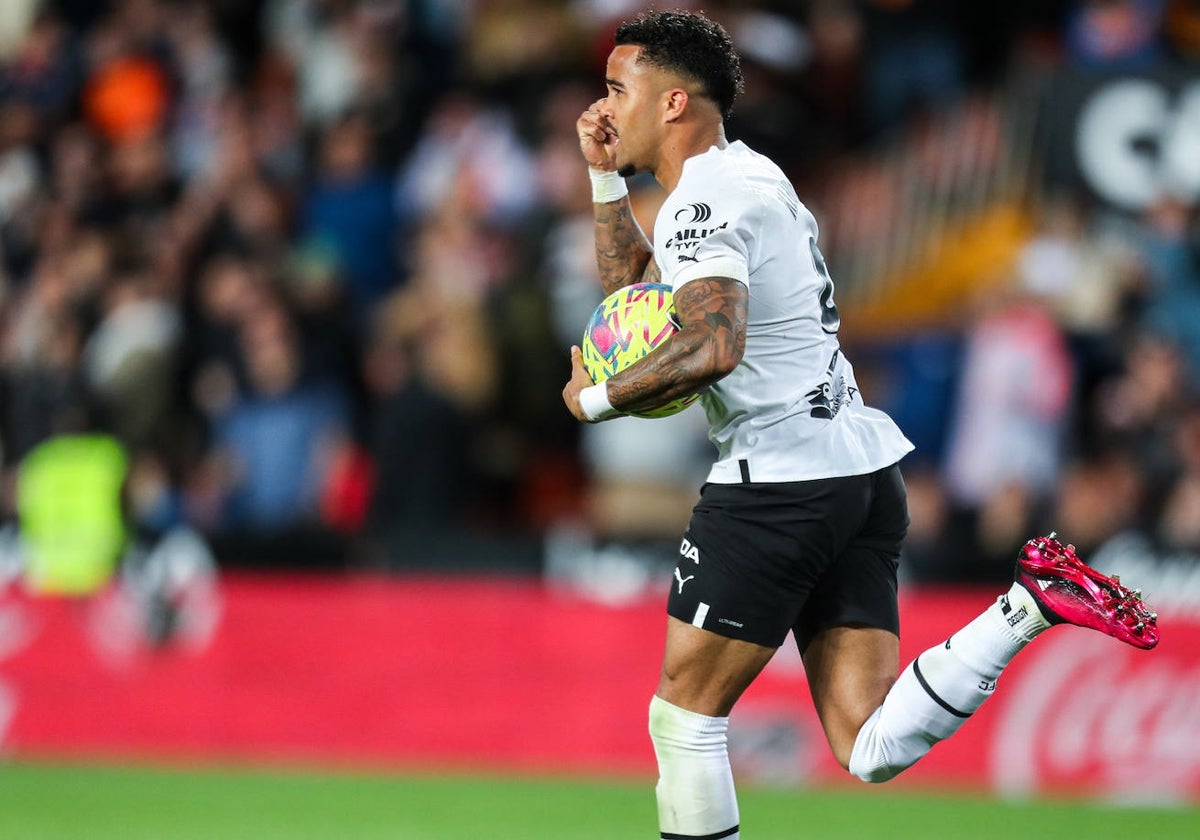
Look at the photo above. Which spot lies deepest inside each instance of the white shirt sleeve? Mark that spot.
(710, 225)
(718, 266)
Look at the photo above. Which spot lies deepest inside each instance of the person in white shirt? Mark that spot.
(800, 524)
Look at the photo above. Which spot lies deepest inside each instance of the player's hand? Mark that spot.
(597, 139)
(579, 380)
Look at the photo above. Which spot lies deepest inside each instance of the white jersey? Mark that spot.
(791, 410)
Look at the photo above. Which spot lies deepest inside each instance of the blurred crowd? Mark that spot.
(315, 264)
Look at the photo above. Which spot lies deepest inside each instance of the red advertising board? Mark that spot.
(510, 675)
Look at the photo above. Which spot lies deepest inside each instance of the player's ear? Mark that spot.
(675, 102)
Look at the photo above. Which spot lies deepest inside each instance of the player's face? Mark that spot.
(632, 107)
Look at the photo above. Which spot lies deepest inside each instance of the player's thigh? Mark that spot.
(850, 670)
(848, 633)
(705, 672)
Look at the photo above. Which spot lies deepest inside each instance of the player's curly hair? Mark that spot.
(691, 45)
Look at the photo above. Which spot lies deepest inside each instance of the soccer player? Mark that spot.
(800, 522)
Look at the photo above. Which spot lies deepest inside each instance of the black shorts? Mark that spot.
(758, 560)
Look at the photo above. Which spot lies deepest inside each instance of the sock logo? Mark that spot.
(1005, 607)
(987, 685)
(1016, 617)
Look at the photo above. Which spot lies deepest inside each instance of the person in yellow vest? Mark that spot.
(70, 513)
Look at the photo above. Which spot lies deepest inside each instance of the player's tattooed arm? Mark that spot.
(623, 252)
(712, 315)
(652, 274)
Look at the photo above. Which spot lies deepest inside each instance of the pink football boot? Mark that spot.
(1070, 592)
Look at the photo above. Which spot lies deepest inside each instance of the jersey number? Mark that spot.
(830, 319)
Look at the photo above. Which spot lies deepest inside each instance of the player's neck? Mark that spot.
(686, 143)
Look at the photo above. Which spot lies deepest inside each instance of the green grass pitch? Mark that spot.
(43, 801)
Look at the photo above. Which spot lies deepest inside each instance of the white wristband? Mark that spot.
(594, 402)
(607, 186)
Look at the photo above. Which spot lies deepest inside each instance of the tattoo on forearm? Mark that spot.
(622, 249)
(712, 312)
(652, 274)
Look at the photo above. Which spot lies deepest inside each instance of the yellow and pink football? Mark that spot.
(629, 325)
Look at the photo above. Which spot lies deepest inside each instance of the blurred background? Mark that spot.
(287, 287)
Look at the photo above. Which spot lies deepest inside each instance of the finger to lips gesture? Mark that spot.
(596, 137)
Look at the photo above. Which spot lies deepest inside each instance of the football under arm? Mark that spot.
(712, 315)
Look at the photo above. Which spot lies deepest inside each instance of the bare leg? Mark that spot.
(706, 673)
(850, 670)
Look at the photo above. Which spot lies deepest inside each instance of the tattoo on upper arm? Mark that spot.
(720, 305)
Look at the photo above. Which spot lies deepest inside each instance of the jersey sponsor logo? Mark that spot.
(689, 551)
(700, 213)
(821, 400)
(689, 237)
(828, 398)
(826, 402)
(682, 580)
(686, 240)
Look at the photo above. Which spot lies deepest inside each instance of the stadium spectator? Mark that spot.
(275, 442)
(1007, 432)
(419, 439)
(473, 150)
(319, 40)
(43, 391)
(1170, 246)
(129, 361)
(40, 67)
(1182, 28)
(348, 210)
(1180, 520)
(912, 61)
(1138, 406)
(1115, 34)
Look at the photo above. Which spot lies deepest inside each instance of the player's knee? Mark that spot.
(872, 774)
(843, 730)
(868, 758)
(663, 721)
(869, 764)
(842, 756)
(869, 768)
(675, 730)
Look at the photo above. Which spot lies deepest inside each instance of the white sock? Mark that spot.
(944, 686)
(695, 783)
